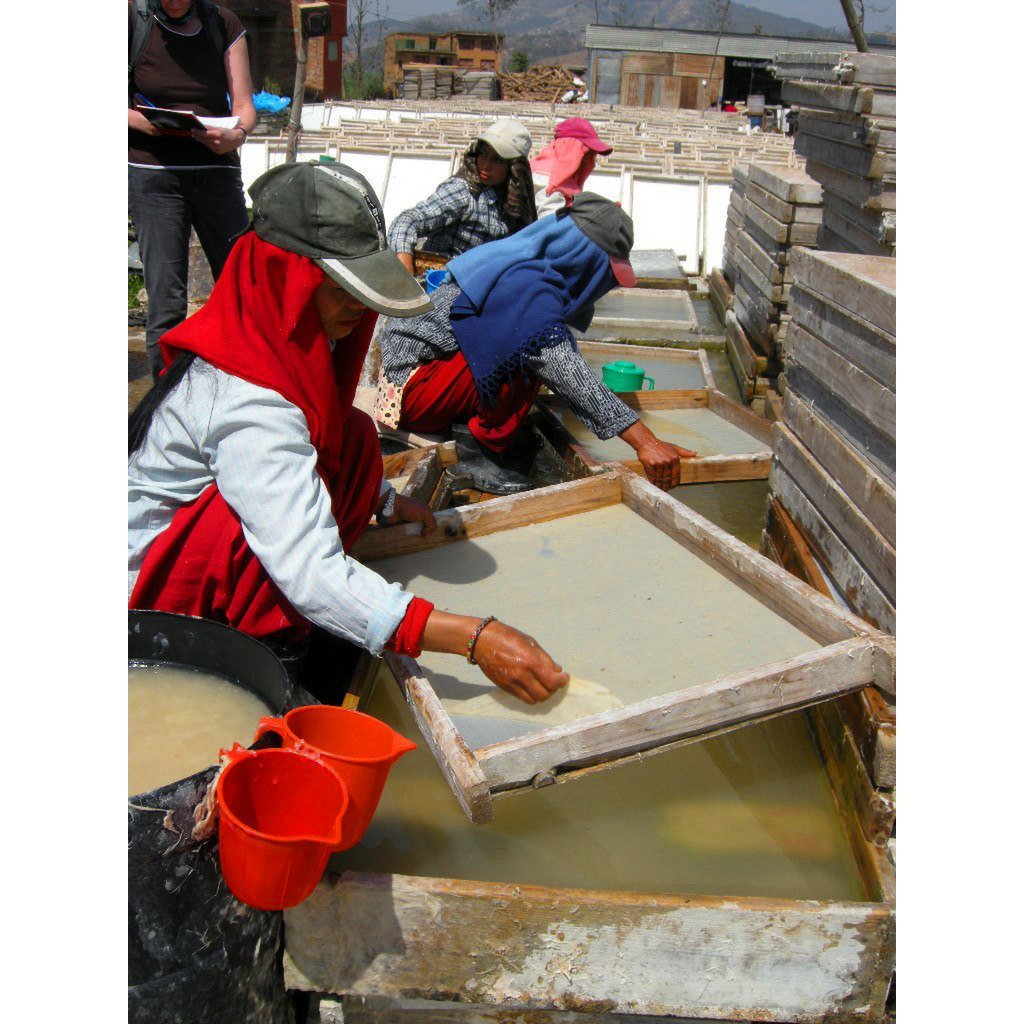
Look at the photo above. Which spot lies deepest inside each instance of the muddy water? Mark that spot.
(178, 720)
(700, 430)
(748, 814)
(738, 508)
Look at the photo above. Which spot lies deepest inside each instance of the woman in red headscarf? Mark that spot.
(561, 169)
(250, 473)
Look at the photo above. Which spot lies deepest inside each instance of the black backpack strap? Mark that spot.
(138, 33)
(212, 26)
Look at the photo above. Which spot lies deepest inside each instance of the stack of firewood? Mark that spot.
(544, 84)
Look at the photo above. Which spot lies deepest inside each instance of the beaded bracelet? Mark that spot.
(476, 636)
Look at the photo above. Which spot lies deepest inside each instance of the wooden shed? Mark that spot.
(676, 69)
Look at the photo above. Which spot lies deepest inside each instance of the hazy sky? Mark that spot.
(827, 13)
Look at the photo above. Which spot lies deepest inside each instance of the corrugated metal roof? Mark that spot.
(667, 40)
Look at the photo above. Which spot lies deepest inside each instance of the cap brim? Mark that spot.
(502, 148)
(380, 282)
(623, 271)
(598, 146)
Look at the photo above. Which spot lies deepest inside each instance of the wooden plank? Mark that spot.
(883, 102)
(862, 593)
(691, 956)
(871, 68)
(773, 229)
(424, 478)
(855, 129)
(791, 550)
(713, 469)
(748, 363)
(787, 213)
(874, 810)
(861, 435)
(868, 348)
(867, 545)
(721, 293)
(457, 762)
(879, 225)
(740, 416)
(759, 319)
(488, 517)
(771, 292)
(857, 239)
(396, 1010)
(873, 725)
(871, 719)
(863, 161)
(790, 184)
(682, 398)
(829, 97)
(866, 488)
(701, 470)
(770, 269)
(362, 679)
(862, 393)
(870, 193)
(739, 697)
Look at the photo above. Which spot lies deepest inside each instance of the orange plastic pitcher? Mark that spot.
(360, 750)
(280, 817)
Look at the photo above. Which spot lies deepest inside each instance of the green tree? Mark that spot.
(520, 61)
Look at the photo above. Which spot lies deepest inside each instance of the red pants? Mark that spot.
(443, 392)
(201, 564)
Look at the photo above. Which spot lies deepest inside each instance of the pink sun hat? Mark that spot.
(580, 128)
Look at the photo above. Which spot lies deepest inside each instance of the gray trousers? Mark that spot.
(165, 205)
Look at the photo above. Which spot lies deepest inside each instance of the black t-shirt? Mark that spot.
(182, 73)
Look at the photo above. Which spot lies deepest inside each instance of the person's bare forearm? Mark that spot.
(510, 659)
(447, 633)
(637, 435)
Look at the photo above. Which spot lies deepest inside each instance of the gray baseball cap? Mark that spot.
(607, 224)
(508, 138)
(330, 213)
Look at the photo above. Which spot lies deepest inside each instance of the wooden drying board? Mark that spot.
(538, 950)
(687, 358)
(705, 469)
(851, 654)
(607, 324)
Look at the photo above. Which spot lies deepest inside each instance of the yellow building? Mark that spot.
(470, 50)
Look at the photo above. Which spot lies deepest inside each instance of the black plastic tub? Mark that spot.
(195, 953)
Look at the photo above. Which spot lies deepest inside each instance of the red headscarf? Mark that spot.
(261, 324)
(567, 163)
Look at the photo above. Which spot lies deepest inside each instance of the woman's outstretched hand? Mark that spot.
(510, 659)
(660, 459)
(517, 663)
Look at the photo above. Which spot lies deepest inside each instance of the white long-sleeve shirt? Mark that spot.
(256, 446)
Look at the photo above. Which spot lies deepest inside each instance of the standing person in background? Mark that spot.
(194, 58)
(561, 169)
(489, 197)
